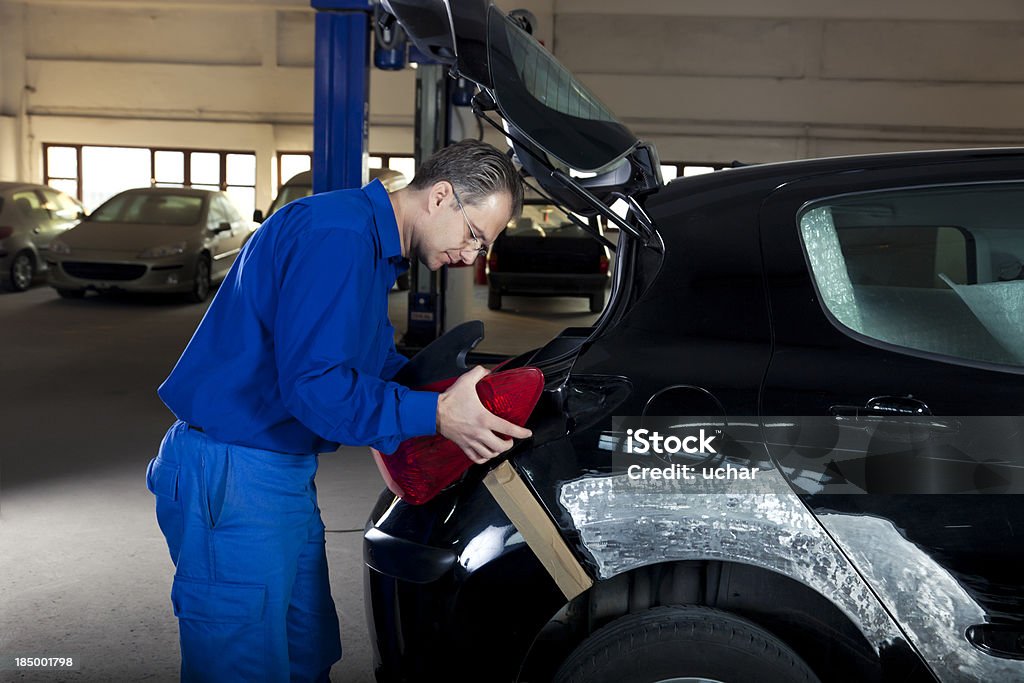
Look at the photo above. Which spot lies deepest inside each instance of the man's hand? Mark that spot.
(464, 420)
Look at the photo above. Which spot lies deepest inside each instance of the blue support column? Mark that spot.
(341, 93)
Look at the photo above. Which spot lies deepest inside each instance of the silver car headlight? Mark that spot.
(58, 247)
(165, 250)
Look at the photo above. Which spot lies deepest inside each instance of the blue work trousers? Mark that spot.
(251, 590)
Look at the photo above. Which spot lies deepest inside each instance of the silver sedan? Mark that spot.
(31, 216)
(151, 240)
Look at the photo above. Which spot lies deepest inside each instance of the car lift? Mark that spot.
(341, 125)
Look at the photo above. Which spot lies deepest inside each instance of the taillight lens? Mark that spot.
(424, 465)
(604, 264)
(6, 231)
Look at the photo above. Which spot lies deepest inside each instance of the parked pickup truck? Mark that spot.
(544, 254)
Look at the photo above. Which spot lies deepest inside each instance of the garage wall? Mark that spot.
(705, 80)
(763, 81)
(219, 75)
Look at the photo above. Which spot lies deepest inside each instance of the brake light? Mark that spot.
(6, 231)
(424, 465)
(604, 264)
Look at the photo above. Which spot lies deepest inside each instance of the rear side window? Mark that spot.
(936, 269)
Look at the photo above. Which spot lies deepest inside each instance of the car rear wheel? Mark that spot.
(669, 644)
(22, 272)
(597, 302)
(201, 283)
(493, 300)
(71, 293)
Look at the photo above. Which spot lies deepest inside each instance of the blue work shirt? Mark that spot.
(295, 352)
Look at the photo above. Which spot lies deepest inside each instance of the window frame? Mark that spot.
(882, 344)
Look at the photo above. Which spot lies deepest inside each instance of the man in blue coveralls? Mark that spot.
(293, 359)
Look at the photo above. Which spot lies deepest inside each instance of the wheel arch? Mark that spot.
(824, 636)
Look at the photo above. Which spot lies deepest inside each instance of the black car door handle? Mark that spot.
(881, 406)
(887, 410)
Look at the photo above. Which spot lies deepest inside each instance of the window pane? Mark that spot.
(669, 172)
(244, 199)
(68, 186)
(170, 185)
(697, 170)
(241, 169)
(375, 162)
(205, 169)
(170, 167)
(109, 170)
(215, 188)
(62, 162)
(935, 269)
(292, 164)
(404, 165)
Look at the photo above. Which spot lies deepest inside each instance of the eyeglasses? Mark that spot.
(481, 250)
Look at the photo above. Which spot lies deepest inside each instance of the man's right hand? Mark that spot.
(462, 419)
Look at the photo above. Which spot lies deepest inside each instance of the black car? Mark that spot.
(543, 253)
(830, 353)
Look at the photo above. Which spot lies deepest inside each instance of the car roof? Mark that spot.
(180, 191)
(18, 185)
(815, 166)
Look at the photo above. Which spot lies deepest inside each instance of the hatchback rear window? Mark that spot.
(937, 269)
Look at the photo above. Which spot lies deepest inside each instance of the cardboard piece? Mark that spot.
(540, 533)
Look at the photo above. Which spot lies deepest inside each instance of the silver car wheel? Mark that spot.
(23, 269)
(201, 285)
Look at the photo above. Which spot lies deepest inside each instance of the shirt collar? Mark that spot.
(384, 219)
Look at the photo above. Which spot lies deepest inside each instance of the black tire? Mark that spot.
(493, 300)
(71, 293)
(597, 302)
(683, 642)
(21, 273)
(202, 282)
(403, 282)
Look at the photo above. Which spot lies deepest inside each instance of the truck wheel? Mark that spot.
(493, 300)
(597, 302)
(683, 643)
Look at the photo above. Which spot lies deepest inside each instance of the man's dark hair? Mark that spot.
(475, 169)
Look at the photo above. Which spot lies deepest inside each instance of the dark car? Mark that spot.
(790, 449)
(543, 253)
(31, 216)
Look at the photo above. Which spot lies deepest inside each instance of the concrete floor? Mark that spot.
(84, 570)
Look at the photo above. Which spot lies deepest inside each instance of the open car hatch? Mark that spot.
(557, 127)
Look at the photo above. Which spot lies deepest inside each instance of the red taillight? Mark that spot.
(6, 231)
(424, 465)
(604, 264)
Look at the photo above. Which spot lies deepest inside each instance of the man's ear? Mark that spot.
(439, 195)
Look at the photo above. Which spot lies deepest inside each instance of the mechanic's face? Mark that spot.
(460, 232)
